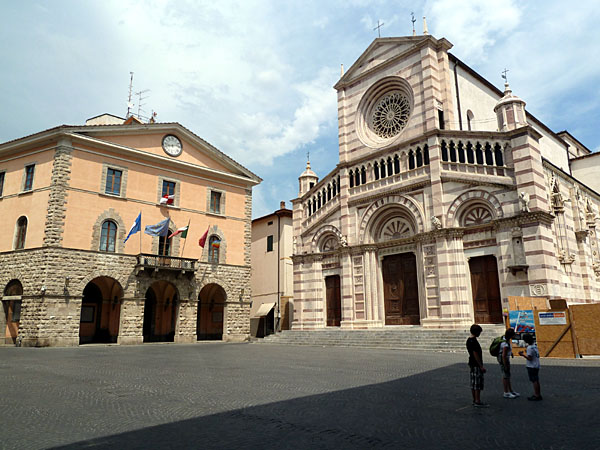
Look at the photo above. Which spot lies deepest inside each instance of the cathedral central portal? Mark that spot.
(400, 289)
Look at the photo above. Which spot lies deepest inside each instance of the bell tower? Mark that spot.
(510, 111)
(307, 180)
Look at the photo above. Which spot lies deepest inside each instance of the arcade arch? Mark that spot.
(100, 311)
(211, 310)
(161, 309)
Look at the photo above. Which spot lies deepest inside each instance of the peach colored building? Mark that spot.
(272, 272)
(448, 198)
(68, 198)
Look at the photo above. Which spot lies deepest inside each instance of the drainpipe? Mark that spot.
(457, 96)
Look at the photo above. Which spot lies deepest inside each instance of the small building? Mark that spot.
(272, 272)
(70, 273)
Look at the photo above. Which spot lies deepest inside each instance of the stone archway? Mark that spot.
(211, 311)
(161, 309)
(11, 317)
(100, 311)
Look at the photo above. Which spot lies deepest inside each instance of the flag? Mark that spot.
(216, 243)
(159, 229)
(167, 199)
(137, 226)
(183, 231)
(202, 240)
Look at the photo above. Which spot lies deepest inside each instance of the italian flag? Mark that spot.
(182, 231)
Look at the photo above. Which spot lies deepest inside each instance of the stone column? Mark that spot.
(131, 328)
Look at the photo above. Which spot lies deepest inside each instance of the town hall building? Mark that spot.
(76, 265)
(448, 198)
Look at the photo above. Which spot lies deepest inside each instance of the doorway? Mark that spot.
(487, 304)
(401, 290)
(211, 308)
(334, 301)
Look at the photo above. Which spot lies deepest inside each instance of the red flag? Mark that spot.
(167, 200)
(202, 241)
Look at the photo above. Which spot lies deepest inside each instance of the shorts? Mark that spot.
(505, 369)
(533, 374)
(476, 378)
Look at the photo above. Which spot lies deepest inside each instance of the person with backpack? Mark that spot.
(504, 355)
(533, 366)
(476, 365)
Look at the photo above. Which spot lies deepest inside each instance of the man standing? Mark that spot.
(476, 365)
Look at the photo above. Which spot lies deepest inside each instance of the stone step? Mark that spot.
(410, 338)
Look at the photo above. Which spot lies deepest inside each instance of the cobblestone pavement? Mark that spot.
(257, 396)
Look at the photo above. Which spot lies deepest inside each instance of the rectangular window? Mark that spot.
(168, 188)
(215, 202)
(270, 243)
(113, 181)
(29, 170)
(441, 119)
(1, 183)
(270, 222)
(16, 311)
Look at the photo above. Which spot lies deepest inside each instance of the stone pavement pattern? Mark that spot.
(256, 396)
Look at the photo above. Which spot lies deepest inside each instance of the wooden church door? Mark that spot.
(334, 301)
(487, 303)
(400, 289)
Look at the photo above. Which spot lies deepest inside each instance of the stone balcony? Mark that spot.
(155, 263)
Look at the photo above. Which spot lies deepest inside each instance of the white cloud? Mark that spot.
(472, 25)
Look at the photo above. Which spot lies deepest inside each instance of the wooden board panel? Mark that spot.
(546, 335)
(521, 303)
(585, 321)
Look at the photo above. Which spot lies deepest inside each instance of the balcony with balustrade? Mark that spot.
(157, 263)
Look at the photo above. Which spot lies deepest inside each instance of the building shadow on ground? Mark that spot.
(428, 410)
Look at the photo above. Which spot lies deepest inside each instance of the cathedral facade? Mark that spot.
(448, 198)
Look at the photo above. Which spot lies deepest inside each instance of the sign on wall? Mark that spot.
(522, 321)
(552, 318)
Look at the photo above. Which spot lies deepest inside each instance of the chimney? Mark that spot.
(282, 204)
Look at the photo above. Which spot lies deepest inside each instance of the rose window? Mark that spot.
(390, 115)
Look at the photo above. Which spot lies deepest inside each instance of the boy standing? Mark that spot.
(476, 365)
(504, 361)
(533, 366)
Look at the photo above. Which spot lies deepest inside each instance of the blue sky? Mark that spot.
(255, 78)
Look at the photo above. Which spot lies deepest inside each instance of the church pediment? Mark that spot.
(384, 50)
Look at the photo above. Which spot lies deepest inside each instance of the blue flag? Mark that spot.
(160, 229)
(136, 227)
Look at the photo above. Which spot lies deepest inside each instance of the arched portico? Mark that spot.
(211, 311)
(100, 311)
(160, 312)
(11, 305)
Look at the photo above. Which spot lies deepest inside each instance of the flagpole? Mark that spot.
(140, 233)
(188, 229)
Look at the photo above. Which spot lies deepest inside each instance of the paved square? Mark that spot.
(270, 396)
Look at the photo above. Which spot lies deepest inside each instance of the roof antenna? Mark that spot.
(413, 20)
(140, 104)
(129, 104)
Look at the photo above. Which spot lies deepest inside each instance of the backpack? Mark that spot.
(495, 346)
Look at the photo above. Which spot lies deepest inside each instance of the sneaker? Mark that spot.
(509, 395)
(480, 405)
(534, 398)
(516, 394)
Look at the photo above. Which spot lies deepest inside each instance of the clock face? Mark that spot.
(171, 145)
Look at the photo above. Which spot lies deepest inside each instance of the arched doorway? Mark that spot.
(487, 303)
(160, 312)
(100, 311)
(11, 304)
(211, 306)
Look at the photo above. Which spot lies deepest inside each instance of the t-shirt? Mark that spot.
(532, 352)
(473, 348)
(503, 345)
